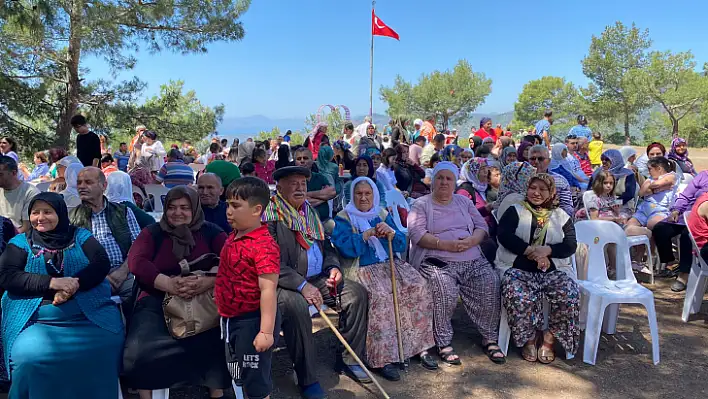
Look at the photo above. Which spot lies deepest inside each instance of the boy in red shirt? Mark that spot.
(245, 288)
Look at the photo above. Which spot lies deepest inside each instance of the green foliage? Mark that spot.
(549, 92)
(295, 137)
(42, 43)
(335, 125)
(450, 95)
(612, 56)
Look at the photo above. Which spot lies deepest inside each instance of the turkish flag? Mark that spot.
(379, 28)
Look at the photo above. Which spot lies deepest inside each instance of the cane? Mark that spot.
(396, 315)
(351, 352)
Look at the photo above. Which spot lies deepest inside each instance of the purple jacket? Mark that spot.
(697, 187)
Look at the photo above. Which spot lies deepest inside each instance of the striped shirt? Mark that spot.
(175, 173)
(565, 197)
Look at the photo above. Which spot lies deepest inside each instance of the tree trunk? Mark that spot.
(627, 137)
(675, 129)
(446, 118)
(71, 100)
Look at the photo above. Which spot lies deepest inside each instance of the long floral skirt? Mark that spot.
(415, 307)
(523, 293)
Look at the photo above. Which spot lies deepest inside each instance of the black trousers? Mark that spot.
(297, 325)
(663, 233)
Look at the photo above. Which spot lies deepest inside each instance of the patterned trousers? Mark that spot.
(477, 283)
(523, 294)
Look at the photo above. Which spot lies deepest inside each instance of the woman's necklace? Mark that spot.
(41, 251)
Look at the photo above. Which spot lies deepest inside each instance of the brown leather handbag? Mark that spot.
(188, 317)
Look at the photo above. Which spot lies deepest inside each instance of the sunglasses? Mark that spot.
(537, 159)
(571, 136)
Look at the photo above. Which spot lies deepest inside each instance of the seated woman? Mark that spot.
(342, 155)
(71, 192)
(361, 232)
(62, 333)
(514, 183)
(473, 184)
(536, 241)
(385, 173)
(679, 154)
(445, 232)
(559, 164)
(153, 359)
(508, 155)
(658, 192)
(41, 167)
(451, 153)
(120, 191)
(364, 167)
(654, 150)
(494, 179)
(329, 169)
(409, 176)
(466, 155)
(625, 182)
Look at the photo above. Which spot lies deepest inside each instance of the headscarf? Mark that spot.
(520, 151)
(68, 160)
(342, 145)
(675, 156)
(515, 178)
(324, 162)
(446, 165)
(617, 163)
(283, 157)
(369, 162)
(470, 174)
(450, 153)
(418, 122)
(476, 142)
(361, 219)
(307, 223)
(505, 152)
(183, 235)
(71, 193)
(371, 151)
(656, 145)
(558, 160)
(141, 176)
(226, 171)
(544, 211)
(120, 188)
(316, 130)
(483, 121)
(400, 149)
(63, 234)
(627, 153)
(245, 150)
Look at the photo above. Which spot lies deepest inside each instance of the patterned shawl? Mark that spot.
(305, 221)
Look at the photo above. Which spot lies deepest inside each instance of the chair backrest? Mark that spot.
(596, 234)
(197, 167)
(44, 186)
(586, 197)
(158, 192)
(686, 216)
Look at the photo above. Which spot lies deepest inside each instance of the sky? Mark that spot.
(297, 55)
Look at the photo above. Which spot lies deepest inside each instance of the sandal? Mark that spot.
(449, 356)
(529, 352)
(428, 362)
(493, 351)
(546, 354)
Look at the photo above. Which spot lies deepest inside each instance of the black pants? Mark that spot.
(663, 233)
(297, 325)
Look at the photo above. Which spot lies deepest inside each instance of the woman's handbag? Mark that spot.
(188, 317)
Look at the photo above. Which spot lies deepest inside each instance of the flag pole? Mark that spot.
(371, 66)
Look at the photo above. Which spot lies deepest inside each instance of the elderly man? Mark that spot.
(539, 159)
(319, 189)
(175, 172)
(210, 189)
(114, 226)
(571, 142)
(310, 276)
(15, 195)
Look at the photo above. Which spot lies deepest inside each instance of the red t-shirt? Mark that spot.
(243, 259)
(697, 224)
(483, 134)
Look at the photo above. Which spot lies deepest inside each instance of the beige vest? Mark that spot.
(554, 235)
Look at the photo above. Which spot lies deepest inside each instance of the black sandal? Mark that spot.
(491, 352)
(446, 356)
(427, 361)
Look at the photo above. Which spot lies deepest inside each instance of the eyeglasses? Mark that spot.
(571, 136)
(537, 159)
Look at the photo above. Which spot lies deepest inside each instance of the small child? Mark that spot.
(248, 169)
(245, 288)
(602, 204)
(385, 173)
(658, 192)
(264, 167)
(595, 149)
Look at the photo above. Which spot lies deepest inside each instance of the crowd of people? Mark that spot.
(268, 233)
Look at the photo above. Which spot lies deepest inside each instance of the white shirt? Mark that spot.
(155, 155)
(387, 177)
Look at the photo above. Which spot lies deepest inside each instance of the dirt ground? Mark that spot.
(624, 367)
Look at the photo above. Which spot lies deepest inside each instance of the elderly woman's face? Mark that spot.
(655, 152)
(179, 211)
(488, 126)
(465, 156)
(362, 168)
(538, 193)
(510, 157)
(294, 189)
(444, 184)
(363, 197)
(43, 217)
(681, 149)
(483, 174)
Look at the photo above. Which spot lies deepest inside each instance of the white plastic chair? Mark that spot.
(157, 191)
(43, 186)
(394, 199)
(601, 292)
(697, 279)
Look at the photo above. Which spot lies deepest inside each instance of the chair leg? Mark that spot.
(653, 329)
(596, 312)
(609, 324)
(161, 393)
(120, 391)
(700, 291)
(504, 331)
(692, 284)
(650, 262)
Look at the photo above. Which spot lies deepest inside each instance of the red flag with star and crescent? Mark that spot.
(379, 28)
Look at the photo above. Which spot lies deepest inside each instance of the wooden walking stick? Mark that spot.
(351, 352)
(397, 316)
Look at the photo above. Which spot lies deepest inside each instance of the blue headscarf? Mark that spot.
(451, 153)
(483, 121)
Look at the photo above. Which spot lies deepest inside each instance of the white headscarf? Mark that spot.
(120, 188)
(68, 160)
(470, 174)
(361, 220)
(627, 153)
(446, 165)
(557, 158)
(70, 193)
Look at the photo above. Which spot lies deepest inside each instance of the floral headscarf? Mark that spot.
(549, 181)
(470, 174)
(342, 145)
(681, 158)
(515, 179)
(544, 211)
(616, 163)
(505, 153)
(450, 153)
